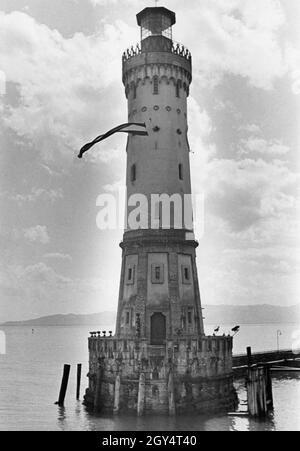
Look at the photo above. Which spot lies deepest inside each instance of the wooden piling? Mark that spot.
(262, 394)
(79, 367)
(117, 394)
(249, 356)
(269, 388)
(141, 395)
(259, 391)
(64, 385)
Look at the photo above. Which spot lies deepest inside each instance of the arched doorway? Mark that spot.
(158, 329)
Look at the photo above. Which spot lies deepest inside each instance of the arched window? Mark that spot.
(133, 173)
(155, 85)
(178, 87)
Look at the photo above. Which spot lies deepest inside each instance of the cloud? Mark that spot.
(262, 147)
(37, 234)
(37, 289)
(250, 128)
(115, 2)
(41, 274)
(64, 83)
(246, 277)
(58, 256)
(2, 83)
(39, 194)
(245, 192)
(202, 147)
(238, 37)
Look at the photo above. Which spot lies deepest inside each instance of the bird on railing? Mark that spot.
(236, 329)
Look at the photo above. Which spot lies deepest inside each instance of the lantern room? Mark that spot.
(156, 29)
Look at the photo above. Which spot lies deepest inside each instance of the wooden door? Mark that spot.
(158, 329)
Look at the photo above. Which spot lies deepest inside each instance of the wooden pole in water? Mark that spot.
(79, 367)
(64, 385)
(261, 387)
(259, 391)
(249, 355)
(269, 388)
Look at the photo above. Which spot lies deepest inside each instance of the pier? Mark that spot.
(284, 360)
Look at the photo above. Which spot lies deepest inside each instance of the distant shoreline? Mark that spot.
(93, 325)
(216, 315)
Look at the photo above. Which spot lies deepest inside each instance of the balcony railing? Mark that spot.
(176, 49)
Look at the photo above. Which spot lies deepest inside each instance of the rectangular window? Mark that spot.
(130, 275)
(157, 273)
(127, 318)
(180, 169)
(133, 173)
(190, 317)
(186, 275)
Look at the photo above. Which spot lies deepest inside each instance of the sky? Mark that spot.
(60, 86)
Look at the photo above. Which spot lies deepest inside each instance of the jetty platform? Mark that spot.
(283, 360)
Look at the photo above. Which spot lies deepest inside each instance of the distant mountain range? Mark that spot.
(214, 314)
(95, 319)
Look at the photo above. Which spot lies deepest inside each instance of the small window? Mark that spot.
(130, 275)
(133, 173)
(190, 317)
(127, 318)
(178, 87)
(157, 273)
(134, 91)
(155, 85)
(180, 169)
(186, 275)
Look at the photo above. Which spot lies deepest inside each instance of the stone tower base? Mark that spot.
(186, 375)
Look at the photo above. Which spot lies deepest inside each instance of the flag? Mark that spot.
(135, 128)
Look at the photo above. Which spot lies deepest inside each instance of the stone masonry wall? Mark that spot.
(201, 373)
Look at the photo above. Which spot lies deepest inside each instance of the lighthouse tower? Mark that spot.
(159, 359)
(159, 284)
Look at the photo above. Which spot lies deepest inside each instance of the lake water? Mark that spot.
(31, 370)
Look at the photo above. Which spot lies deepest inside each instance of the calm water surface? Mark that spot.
(31, 369)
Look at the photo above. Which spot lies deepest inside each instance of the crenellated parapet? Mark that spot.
(175, 48)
